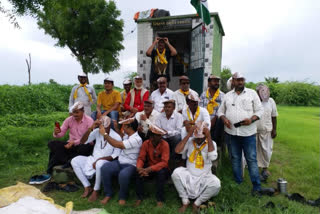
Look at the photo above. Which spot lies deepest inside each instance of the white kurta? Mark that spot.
(203, 116)
(264, 128)
(195, 183)
(83, 97)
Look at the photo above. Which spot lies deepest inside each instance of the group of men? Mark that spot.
(135, 135)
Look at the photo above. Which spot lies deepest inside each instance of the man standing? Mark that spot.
(160, 60)
(194, 112)
(161, 94)
(211, 99)
(145, 118)
(239, 110)
(266, 130)
(83, 93)
(172, 122)
(196, 181)
(181, 94)
(136, 97)
(61, 152)
(153, 162)
(109, 100)
(86, 167)
(125, 166)
(126, 86)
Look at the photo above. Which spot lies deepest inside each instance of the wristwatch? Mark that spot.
(105, 134)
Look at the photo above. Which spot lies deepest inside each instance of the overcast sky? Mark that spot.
(263, 38)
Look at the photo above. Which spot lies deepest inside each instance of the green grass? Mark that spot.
(23, 153)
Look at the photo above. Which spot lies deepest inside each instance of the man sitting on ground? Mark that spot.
(161, 94)
(103, 152)
(136, 97)
(196, 181)
(83, 93)
(125, 166)
(172, 122)
(61, 152)
(109, 100)
(153, 162)
(145, 118)
(180, 95)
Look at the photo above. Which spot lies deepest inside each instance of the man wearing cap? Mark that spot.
(160, 60)
(125, 166)
(126, 86)
(211, 99)
(61, 152)
(266, 130)
(196, 181)
(153, 162)
(145, 118)
(239, 110)
(180, 95)
(194, 112)
(136, 97)
(161, 94)
(172, 122)
(103, 152)
(109, 100)
(83, 93)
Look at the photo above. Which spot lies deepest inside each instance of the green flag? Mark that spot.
(202, 10)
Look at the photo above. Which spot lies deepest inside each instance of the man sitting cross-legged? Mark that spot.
(196, 181)
(125, 166)
(153, 162)
(103, 152)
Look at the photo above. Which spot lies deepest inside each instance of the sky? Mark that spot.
(264, 38)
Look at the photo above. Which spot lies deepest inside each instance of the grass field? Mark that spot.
(23, 153)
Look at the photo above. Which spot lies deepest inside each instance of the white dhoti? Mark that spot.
(201, 188)
(82, 167)
(264, 148)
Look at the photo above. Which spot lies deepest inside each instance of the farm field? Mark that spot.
(23, 153)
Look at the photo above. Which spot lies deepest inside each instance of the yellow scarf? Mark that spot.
(212, 103)
(185, 93)
(85, 90)
(195, 116)
(197, 156)
(161, 57)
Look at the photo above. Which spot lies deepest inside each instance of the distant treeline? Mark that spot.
(50, 97)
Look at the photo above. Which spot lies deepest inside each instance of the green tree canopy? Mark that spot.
(225, 75)
(89, 28)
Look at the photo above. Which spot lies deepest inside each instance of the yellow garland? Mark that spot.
(195, 116)
(185, 93)
(85, 90)
(212, 103)
(161, 57)
(197, 156)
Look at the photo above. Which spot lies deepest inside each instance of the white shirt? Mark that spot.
(145, 123)
(158, 98)
(269, 111)
(208, 157)
(203, 115)
(173, 125)
(102, 148)
(83, 97)
(239, 107)
(130, 153)
(180, 99)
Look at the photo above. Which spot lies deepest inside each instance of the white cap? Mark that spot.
(108, 79)
(193, 96)
(238, 75)
(76, 106)
(127, 81)
(82, 74)
(229, 82)
(106, 121)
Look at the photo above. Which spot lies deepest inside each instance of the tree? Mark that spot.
(29, 68)
(271, 79)
(225, 75)
(89, 28)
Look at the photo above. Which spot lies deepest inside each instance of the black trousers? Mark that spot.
(59, 155)
(217, 132)
(161, 178)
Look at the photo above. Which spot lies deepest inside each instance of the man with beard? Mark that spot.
(211, 99)
(136, 97)
(239, 110)
(83, 93)
(180, 95)
(160, 60)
